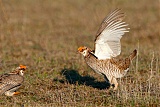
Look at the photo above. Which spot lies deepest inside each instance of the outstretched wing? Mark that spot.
(7, 82)
(107, 42)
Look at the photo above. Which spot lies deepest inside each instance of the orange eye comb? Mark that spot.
(22, 66)
(80, 49)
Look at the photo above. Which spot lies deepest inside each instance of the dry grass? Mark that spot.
(45, 35)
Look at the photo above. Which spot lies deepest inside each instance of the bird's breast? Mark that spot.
(106, 67)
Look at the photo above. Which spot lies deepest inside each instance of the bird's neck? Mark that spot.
(90, 56)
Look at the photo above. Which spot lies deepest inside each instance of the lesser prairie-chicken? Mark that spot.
(107, 47)
(10, 82)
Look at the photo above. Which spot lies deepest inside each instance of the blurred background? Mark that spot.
(45, 35)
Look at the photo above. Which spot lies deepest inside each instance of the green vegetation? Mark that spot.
(45, 35)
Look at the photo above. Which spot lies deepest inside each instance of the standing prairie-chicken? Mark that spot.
(107, 46)
(10, 82)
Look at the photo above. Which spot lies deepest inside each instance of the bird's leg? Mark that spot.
(107, 80)
(111, 81)
(112, 84)
(15, 93)
(114, 81)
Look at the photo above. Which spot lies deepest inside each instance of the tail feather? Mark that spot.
(133, 54)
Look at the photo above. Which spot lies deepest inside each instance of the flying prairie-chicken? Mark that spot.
(10, 82)
(107, 46)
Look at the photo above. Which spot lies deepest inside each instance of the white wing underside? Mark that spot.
(107, 43)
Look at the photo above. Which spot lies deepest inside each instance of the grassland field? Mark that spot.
(44, 35)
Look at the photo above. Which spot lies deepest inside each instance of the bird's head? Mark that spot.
(84, 50)
(20, 70)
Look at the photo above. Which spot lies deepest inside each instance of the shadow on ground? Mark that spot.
(73, 77)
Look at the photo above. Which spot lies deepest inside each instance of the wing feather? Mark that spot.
(8, 82)
(5, 88)
(107, 42)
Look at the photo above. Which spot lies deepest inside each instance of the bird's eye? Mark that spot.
(22, 69)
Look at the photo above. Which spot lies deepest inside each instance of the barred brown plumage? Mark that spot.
(10, 82)
(107, 46)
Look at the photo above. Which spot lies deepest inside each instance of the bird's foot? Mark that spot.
(16, 93)
(110, 89)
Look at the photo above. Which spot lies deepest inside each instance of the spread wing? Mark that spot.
(7, 82)
(107, 42)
